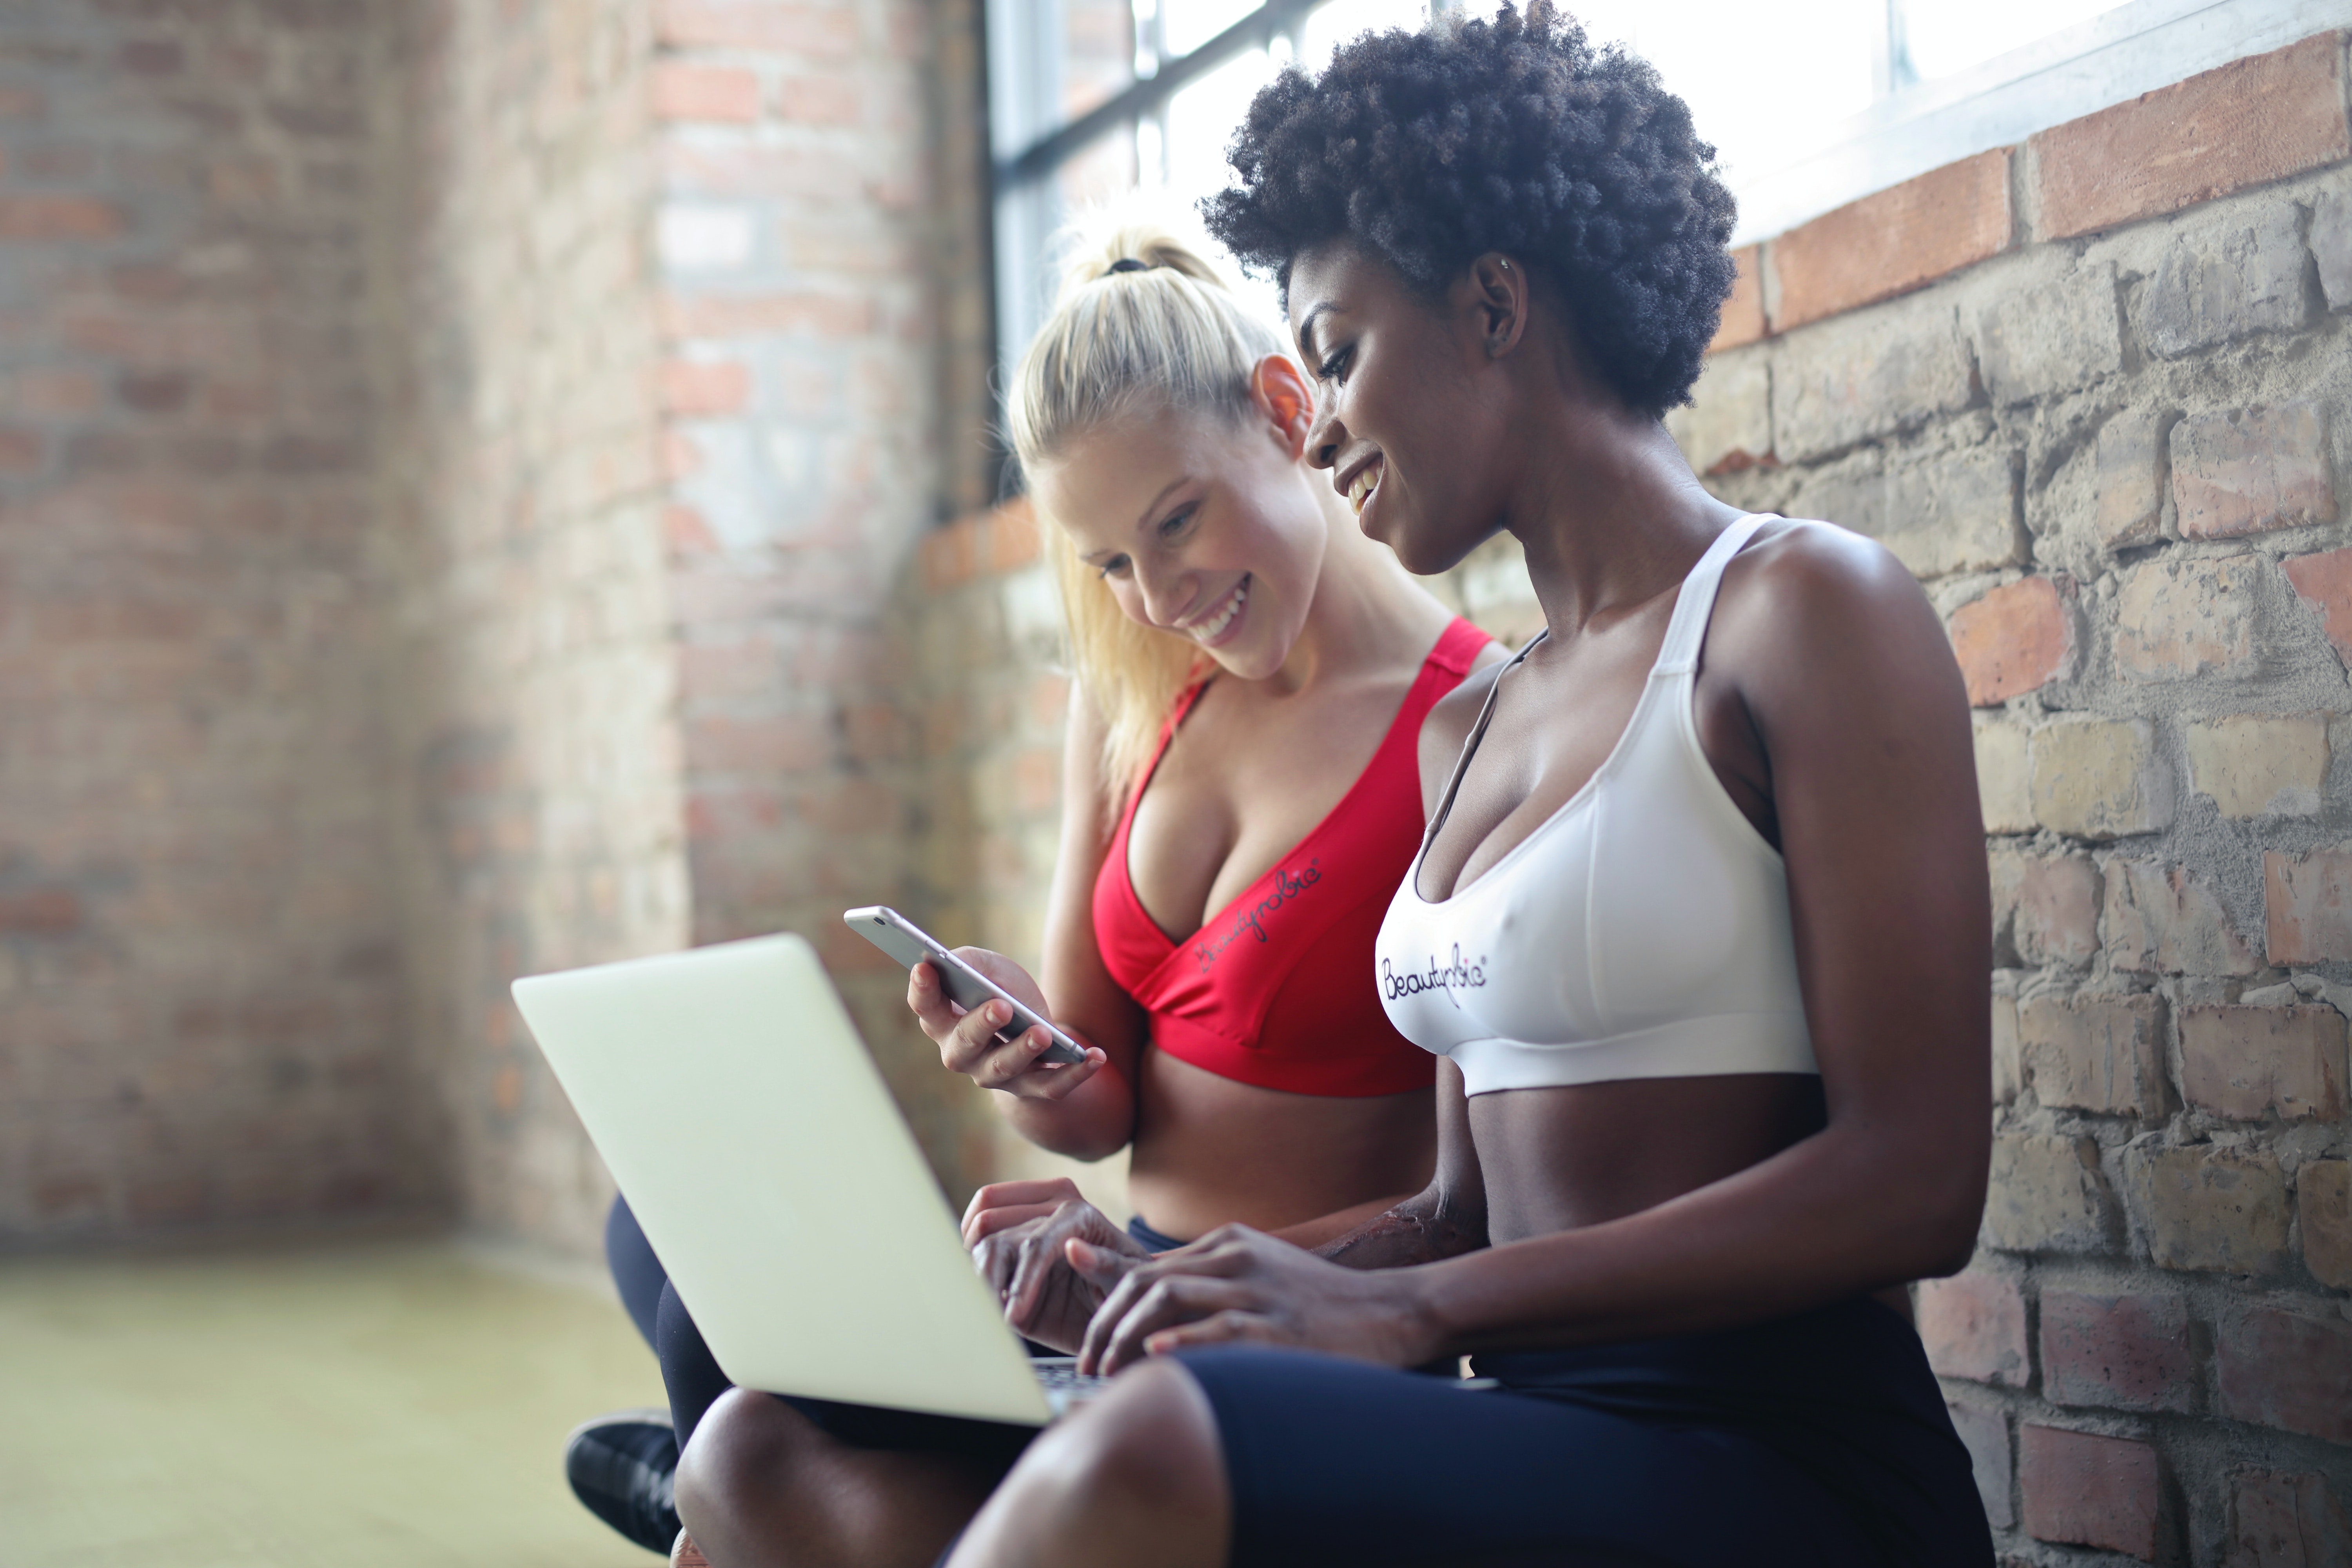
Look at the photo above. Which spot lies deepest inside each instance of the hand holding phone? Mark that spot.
(969, 990)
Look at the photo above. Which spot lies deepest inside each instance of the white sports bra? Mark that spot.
(1641, 931)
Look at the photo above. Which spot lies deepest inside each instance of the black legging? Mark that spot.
(688, 1371)
(691, 1373)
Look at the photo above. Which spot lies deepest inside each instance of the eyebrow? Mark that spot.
(1144, 521)
(1306, 327)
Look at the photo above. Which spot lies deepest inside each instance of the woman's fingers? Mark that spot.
(930, 1003)
(1166, 1303)
(1219, 1328)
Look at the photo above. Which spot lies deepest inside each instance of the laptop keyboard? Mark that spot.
(1065, 1386)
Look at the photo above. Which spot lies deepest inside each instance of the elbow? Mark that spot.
(1943, 1233)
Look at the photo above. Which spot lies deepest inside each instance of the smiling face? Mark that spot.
(1200, 526)
(1411, 420)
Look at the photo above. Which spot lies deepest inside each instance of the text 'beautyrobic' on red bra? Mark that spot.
(1275, 989)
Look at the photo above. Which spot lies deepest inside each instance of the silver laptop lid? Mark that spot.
(735, 1104)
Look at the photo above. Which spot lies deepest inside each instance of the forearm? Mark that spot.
(1091, 1122)
(1425, 1229)
(1830, 1218)
(1313, 1234)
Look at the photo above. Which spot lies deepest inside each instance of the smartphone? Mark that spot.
(967, 987)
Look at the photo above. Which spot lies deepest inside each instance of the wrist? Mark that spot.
(1427, 1334)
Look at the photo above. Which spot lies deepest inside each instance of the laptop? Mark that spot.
(747, 1125)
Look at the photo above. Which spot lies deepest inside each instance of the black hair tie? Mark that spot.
(1130, 264)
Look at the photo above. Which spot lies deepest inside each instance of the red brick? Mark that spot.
(951, 553)
(20, 451)
(803, 312)
(2245, 123)
(38, 219)
(2307, 902)
(2251, 472)
(2325, 582)
(2248, 1063)
(1743, 312)
(2045, 908)
(821, 173)
(700, 388)
(19, 103)
(41, 912)
(1037, 781)
(784, 744)
(2123, 1352)
(2165, 920)
(806, 29)
(2323, 1204)
(2087, 1490)
(2176, 619)
(2014, 641)
(2278, 1370)
(718, 93)
(1894, 241)
(687, 531)
(1012, 537)
(1974, 1327)
(2102, 1054)
(877, 733)
(2285, 1522)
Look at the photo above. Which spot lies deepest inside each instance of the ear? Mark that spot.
(1285, 400)
(1497, 291)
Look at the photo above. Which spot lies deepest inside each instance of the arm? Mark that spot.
(1845, 671)
(1445, 1219)
(1084, 1110)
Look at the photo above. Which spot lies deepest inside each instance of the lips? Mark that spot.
(1366, 480)
(1209, 629)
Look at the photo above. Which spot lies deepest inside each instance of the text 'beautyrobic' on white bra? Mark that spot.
(1641, 931)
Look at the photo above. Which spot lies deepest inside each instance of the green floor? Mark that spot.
(393, 1403)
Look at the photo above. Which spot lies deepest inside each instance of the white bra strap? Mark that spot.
(1694, 606)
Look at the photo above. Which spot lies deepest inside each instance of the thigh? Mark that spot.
(1335, 1461)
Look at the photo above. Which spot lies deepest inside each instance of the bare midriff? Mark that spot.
(1561, 1159)
(1209, 1149)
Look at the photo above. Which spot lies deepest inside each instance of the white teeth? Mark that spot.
(1209, 630)
(1360, 489)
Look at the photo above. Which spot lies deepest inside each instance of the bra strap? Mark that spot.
(1694, 606)
(1470, 748)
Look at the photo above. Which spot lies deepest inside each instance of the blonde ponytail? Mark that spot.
(1143, 322)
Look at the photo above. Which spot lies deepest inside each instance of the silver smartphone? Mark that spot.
(967, 987)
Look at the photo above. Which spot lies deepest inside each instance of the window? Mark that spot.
(1811, 104)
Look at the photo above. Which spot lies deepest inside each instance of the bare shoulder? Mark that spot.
(1806, 592)
(1815, 620)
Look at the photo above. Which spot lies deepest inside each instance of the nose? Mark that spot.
(1326, 436)
(1167, 593)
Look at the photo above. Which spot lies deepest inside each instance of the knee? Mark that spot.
(745, 1436)
(1150, 1440)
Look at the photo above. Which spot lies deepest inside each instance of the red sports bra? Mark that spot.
(1275, 989)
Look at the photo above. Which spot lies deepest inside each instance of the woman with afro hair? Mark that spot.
(1698, 930)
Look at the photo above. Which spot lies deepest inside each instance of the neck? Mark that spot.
(1609, 513)
(1365, 606)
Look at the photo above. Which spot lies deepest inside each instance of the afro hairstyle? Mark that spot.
(1432, 148)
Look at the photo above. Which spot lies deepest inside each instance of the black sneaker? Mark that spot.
(623, 1469)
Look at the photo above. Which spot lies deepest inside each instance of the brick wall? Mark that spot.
(823, 323)
(201, 1018)
(2091, 389)
(520, 499)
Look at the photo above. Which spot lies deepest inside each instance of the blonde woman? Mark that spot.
(1241, 793)
(1242, 790)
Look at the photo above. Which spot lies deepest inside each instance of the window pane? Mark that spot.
(1334, 24)
(1763, 82)
(1945, 37)
(1192, 23)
